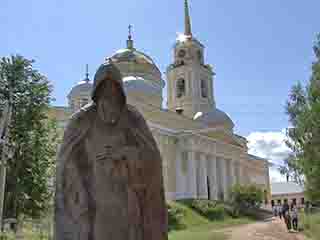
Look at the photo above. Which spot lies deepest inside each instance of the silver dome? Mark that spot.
(132, 55)
(215, 118)
(82, 88)
(141, 84)
(132, 62)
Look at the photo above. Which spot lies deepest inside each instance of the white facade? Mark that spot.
(202, 157)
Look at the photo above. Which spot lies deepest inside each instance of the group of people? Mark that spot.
(289, 213)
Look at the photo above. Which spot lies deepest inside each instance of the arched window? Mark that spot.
(204, 88)
(200, 57)
(181, 88)
(182, 53)
(72, 105)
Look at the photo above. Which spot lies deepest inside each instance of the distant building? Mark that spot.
(287, 191)
(202, 155)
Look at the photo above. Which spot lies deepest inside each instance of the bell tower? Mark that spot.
(190, 80)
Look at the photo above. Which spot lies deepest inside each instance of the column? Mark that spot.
(191, 178)
(225, 180)
(171, 168)
(203, 186)
(219, 178)
(241, 175)
(198, 173)
(162, 144)
(180, 186)
(230, 171)
(237, 172)
(212, 174)
(233, 179)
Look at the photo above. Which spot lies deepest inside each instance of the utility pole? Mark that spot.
(4, 141)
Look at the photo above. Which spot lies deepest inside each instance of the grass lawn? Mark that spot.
(197, 227)
(200, 228)
(311, 225)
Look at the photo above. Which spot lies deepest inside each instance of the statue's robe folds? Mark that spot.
(109, 180)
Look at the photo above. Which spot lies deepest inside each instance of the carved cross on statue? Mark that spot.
(106, 154)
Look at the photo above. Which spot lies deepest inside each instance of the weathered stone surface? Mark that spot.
(109, 173)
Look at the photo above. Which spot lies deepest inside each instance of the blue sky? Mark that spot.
(259, 49)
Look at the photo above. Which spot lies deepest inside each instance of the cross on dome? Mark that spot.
(130, 31)
(87, 74)
(130, 41)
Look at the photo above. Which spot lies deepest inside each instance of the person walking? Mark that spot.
(279, 206)
(294, 217)
(274, 210)
(286, 215)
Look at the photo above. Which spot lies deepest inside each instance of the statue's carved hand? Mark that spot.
(136, 168)
(122, 159)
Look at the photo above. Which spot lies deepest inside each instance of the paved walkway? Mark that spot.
(273, 229)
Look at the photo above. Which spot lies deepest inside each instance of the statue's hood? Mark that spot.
(107, 72)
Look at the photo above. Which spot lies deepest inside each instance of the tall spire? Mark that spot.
(130, 41)
(87, 73)
(187, 27)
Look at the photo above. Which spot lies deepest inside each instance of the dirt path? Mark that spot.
(273, 229)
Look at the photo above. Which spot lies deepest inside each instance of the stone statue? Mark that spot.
(109, 173)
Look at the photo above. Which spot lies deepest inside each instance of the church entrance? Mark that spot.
(208, 188)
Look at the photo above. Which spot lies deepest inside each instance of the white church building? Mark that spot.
(202, 156)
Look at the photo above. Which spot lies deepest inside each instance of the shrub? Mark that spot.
(244, 198)
(207, 208)
(217, 213)
(7, 236)
(175, 216)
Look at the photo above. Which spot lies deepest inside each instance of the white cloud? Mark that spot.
(270, 145)
(275, 175)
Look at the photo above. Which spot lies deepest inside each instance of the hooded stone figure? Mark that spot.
(109, 182)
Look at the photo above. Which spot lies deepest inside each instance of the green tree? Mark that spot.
(303, 109)
(292, 170)
(32, 138)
